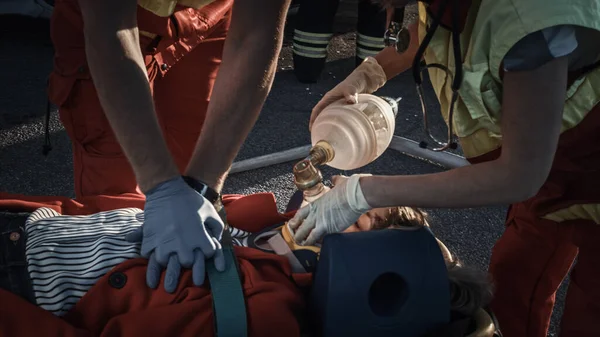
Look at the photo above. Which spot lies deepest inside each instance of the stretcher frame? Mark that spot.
(403, 145)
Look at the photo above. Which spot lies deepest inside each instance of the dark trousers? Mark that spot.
(14, 276)
(314, 30)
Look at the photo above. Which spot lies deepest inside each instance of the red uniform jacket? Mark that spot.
(273, 298)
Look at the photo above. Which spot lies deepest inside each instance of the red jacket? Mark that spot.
(273, 300)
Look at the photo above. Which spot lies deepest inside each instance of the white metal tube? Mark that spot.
(270, 159)
(401, 144)
(412, 148)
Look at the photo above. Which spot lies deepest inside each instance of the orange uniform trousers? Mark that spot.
(534, 254)
(182, 56)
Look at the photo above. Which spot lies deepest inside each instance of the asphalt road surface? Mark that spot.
(26, 56)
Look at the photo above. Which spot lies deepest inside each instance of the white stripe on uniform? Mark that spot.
(318, 44)
(370, 41)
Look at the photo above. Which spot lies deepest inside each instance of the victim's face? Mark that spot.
(374, 219)
(369, 220)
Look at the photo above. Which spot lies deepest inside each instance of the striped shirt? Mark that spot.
(67, 255)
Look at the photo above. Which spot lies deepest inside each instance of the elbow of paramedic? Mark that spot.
(532, 105)
(516, 182)
(111, 27)
(520, 182)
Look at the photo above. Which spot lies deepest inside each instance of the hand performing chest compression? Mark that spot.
(181, 229)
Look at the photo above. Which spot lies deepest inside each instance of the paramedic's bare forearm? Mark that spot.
(465, 187)
(119, 73)
(392, 62)
(531, 123)
(242, 85)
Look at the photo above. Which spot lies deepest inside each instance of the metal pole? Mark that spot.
(401, 144)
(270, 159)
(412, 148)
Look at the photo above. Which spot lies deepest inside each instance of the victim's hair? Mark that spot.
(470, 288)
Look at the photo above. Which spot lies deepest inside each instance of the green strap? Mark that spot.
(229, 307)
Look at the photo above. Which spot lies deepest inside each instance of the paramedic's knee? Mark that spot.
(182, 95)
(99, 164)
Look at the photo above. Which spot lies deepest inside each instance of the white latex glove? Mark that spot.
(365, 79)
(334, 212)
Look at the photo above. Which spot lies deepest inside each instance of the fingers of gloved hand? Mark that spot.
(314, 236)
(300, 215)
(219, 257)
(204, 241)
(153, 272)
(198, 269)
(185, 257)
(163, 252)
(135, 236)
(343, 90)
(351, 97)
(369, 76)
(208, 247)
(214, 227)
(302, 232)
(149, 242)
(172, 274)
(323, 103)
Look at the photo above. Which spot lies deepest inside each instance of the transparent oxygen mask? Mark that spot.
(355, 134)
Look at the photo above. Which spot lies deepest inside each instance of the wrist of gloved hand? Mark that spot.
(182, 182)
(350, 208)
(367, 77)
(166, 188)
(206, 191)
(355, 196)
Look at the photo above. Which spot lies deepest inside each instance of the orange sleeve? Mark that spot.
(251, 213)
(67, 206)
(254, 212)
(21, 318)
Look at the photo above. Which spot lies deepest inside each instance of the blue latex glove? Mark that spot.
(181, 229)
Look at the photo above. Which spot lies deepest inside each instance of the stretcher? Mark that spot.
(400, 288)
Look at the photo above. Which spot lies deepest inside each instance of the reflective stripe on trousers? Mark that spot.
(312, 45)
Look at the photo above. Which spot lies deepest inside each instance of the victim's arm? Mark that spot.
(117, 67)
(531, 122)
(244, 80)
